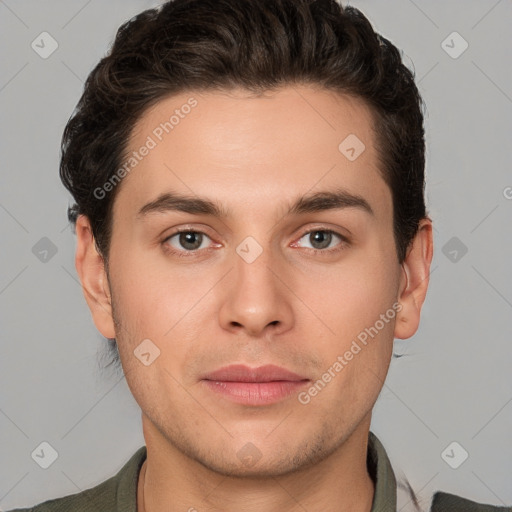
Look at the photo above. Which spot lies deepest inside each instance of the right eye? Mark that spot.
(187, 240)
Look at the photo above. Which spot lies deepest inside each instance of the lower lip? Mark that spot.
(255, 393)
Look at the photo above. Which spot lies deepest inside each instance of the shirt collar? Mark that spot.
(381, 472)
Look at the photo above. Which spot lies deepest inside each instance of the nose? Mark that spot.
(255, 297)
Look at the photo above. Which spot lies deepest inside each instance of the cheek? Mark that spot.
(356, 303)
(351, 295)
(157, 300)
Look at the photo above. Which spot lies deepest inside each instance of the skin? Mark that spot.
(290, 307)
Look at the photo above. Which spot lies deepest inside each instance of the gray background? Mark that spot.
(453, 382)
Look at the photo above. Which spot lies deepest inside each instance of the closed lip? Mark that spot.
(243, 373)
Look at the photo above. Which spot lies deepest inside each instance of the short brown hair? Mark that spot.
(258, 45)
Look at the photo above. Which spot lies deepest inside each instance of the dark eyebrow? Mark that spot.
(172, 201)
(317, 202)
(329, 200)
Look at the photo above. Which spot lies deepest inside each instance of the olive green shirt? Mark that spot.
(119, 493)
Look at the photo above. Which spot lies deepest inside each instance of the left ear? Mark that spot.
(414, 281)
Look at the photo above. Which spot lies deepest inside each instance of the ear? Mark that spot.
(91, 270)
(414, 281)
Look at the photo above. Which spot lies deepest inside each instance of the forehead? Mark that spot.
(245, 150)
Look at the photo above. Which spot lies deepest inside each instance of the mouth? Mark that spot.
(254, 386)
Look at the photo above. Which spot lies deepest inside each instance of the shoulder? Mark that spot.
(118, 493)
(96, 499)
(446, 502)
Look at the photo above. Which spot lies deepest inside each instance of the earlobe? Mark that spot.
(414, 281)
(91, 271)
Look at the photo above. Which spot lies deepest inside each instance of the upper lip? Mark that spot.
(242, 373)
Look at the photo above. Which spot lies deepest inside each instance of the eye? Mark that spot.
(322, 239)
(187, 241)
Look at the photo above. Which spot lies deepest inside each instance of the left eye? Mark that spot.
(320, 238)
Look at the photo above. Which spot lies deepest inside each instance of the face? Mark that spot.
(310, 286)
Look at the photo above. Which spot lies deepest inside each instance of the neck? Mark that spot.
(169, 480)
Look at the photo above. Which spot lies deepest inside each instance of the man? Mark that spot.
(251, 230)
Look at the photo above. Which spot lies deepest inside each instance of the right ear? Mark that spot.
(91, 271)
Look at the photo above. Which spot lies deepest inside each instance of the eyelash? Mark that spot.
(344, 241)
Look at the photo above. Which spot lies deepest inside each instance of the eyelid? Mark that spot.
(327, 230)
(187, 229)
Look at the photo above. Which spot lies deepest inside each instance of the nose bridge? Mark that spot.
(253, 262)
(256, 297)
